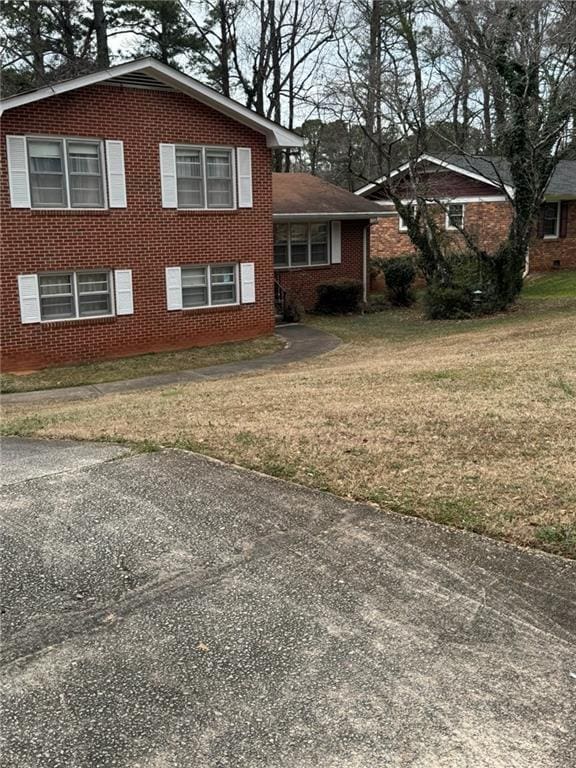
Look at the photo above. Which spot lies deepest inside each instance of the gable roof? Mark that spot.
(301, 195)
(492, 170)
(149, 73)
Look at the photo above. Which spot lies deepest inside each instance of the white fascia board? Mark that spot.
(465, 172)
(276, 136)
(447, 200)
(330, 216)
(443, 164)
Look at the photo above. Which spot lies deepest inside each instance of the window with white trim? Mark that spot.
(402, 226)
(210, 286)
(550, 220)
(74, 295)
(204, 177)
(301, 245)
(65, 173)
(454, 216)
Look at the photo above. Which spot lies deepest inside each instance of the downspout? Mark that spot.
(365, 232)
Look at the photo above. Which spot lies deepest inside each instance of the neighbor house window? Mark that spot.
(454, 216)
(301, 245)
(402, 225)
(72, 295)
(550, 220)
(65, 173)
(209, 286)
(204, 177)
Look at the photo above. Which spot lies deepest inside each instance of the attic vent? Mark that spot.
(139, 80)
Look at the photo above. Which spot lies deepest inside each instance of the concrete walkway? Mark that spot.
(302, 342)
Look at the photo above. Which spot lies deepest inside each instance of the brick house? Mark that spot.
(136, 217)
(337, 224)
(474, 192)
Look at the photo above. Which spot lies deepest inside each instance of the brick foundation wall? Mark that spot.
(556, 254)
(302, 282)
(143, 237)
(488, 222)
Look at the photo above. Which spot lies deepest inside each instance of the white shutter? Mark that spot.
(18, 172)
(248, 288)
(168, 175)
(244, 165)
(123, 286)
(336, 241)
(29, 298)
(116, 174)
(173, 287)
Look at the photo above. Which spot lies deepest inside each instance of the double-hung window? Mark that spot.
(550, 220)
(208, 286)
(402, 225)
(454, 216)
(73, 295)
(301, 245)
(204, 177)
(65, 173)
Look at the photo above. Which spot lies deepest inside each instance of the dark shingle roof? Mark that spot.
(496, 169)
(302, 193)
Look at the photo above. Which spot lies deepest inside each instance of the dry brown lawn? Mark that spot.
(471, 424)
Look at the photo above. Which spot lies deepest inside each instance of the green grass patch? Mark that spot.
(549, 295)
(558, 538)
(561, 284)
(141, 365)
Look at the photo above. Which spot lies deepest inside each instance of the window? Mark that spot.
(209, 286)
(85, 174)
(455, 216)
(72, 295)
(550, 220)
(204, 177)
(219, 178)
(47, 184)
(65, 173)
(301, 245)
(402, 227)
(281, 240)
(189, 178)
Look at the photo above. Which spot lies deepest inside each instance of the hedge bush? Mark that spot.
(339, 296)
(452, 303)
(400, 274)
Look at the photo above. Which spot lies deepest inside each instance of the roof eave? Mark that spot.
(276, 136)
(335, 215)
(443, 164)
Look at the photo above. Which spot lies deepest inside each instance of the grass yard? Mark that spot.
(470, 423)
(141, 365)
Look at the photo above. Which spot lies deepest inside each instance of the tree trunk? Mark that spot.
(101, 29)
(224, 48)
(36, 44)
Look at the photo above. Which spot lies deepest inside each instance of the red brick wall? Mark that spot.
(437, 182)
(143, 237)
(545, 253)
(301, 282)
(488, 222)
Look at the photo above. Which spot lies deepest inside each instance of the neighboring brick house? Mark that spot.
(321, 232)
(137, 216)
(475, 191)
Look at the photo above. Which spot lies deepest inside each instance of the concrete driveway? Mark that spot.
(164, 610)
